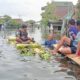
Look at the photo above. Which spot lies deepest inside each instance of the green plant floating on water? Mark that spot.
(31, 45)
(45, 56)
(34, 45)
(31, 50)
(22, 46)
(27, 52)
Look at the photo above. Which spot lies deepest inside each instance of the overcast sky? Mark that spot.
(25, 9)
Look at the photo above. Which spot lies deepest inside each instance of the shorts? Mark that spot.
(73, 47)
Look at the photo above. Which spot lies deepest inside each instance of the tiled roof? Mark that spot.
(18, 20)
(62, 9)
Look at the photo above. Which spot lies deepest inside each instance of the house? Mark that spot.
(18, 20)
(62, 10)
(56, 25)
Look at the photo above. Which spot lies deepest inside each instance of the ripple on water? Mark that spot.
(16, 67)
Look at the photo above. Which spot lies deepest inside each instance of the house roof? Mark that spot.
(62, 9)
(62, 3)
(18, 20)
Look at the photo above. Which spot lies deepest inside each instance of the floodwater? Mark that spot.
(16, 67)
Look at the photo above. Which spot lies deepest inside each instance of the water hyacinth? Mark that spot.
(29, 51)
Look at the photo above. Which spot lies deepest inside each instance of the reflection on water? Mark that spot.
(15, 67)
(37, 35)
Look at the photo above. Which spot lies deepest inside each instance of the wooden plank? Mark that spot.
(73, 57)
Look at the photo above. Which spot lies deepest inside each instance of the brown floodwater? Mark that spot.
(13, 66)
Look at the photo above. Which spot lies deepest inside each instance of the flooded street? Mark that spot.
(13, 66)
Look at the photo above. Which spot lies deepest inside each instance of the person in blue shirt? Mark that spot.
(72, 31)
(50, 41)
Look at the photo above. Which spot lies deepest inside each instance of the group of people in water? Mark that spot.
(70, 44)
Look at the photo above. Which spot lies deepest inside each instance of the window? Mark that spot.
(59, 27)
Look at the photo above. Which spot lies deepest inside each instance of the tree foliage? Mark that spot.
(1, 21)
(30, 22)
(78, 7)
(48, 13)
(12, 23)
(6, 18)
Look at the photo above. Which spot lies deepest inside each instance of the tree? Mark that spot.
(14, 23)
(9, 22)
(6, 18)
(30, 22)
(2, 21)
(78, 7)
(48, 13)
